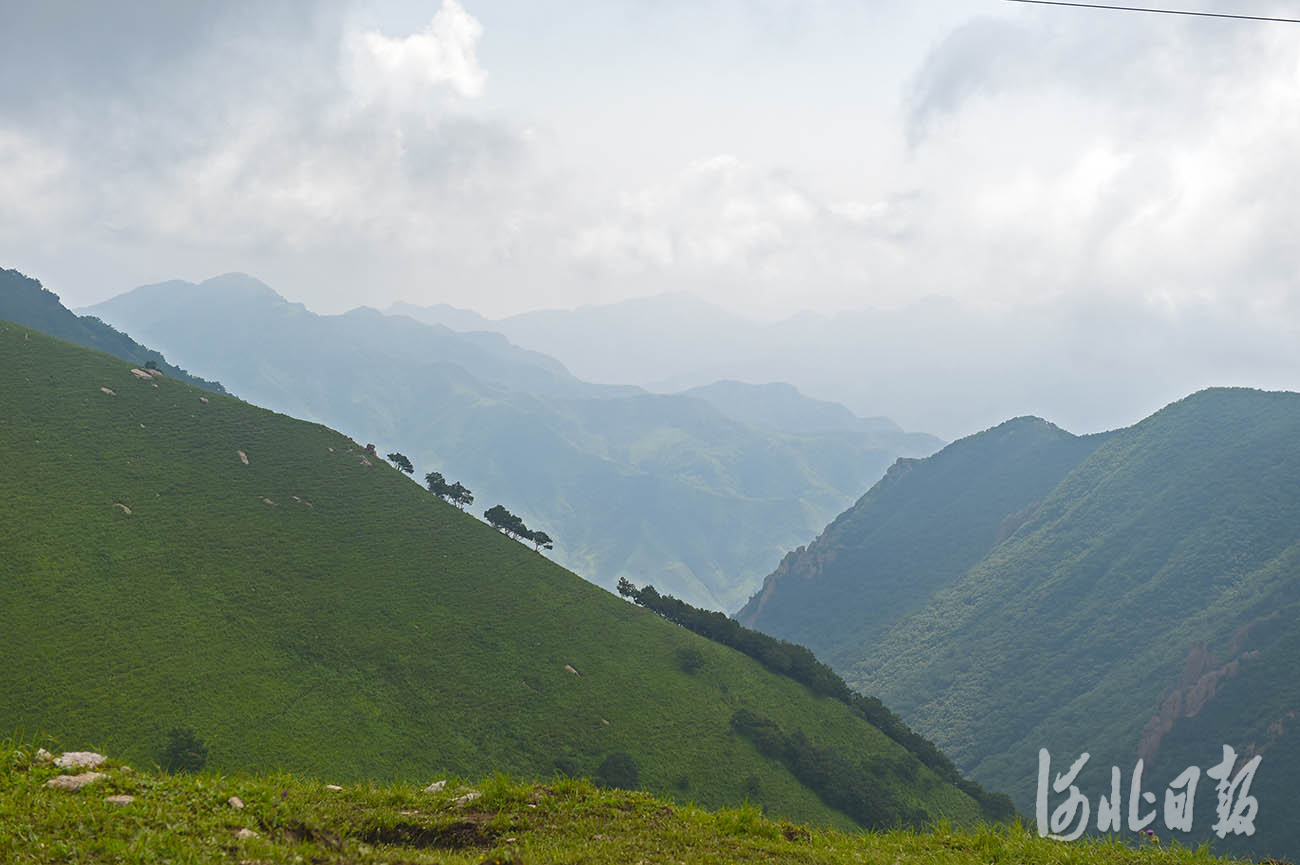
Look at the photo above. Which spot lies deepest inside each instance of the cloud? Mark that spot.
(406, 72)
(721, 220)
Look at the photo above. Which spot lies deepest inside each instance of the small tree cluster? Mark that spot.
(458, 494)
(401, 462)
(502, 520)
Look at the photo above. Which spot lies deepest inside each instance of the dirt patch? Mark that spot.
(455, 836)
(296, 833)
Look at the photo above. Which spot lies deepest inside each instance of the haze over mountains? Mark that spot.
(1130, 595)
(700, 493)
(937, 364)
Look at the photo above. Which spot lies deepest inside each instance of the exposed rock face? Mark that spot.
(79, 760)
(1196, 687)
(75, 782)
(435, 787)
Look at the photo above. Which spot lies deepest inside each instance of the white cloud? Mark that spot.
(406, 73)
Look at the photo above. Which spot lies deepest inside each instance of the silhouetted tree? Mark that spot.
(460, 496)
(541, 540)
(499, 518)
(401, 462)
(437, 484)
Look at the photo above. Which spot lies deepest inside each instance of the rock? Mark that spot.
(435, 787)
(79, 760)
(235, 802)
(119, 800)
(155, 372)
(243, 457)
(245, 834)
(569, 667)
(141, 374)
(124, 508)
(203, 399)
(43, 756)
(467, 798)
(109, 391)
(333, 787)
(74, 782)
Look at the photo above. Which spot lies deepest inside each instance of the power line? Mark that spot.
(1160, 11)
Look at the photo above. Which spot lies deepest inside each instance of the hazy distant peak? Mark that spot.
(453, 317)
(782, 406)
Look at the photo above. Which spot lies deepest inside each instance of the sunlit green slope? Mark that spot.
(173, 558)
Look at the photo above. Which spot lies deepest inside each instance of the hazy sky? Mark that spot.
(771, 155)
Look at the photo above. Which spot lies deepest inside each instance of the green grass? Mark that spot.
(353, 627)
(187, 819)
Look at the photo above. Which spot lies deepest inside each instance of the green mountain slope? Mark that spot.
(718, 500)
(175, 559)
(25, 301)
(1146, 607)
(913, 533)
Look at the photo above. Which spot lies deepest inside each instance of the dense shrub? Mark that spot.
(185, 751)
(618, 770)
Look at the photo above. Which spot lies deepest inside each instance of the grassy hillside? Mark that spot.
(181, 559)
(1146, 607)
(286, 818)
(25, 301)
(718, 500)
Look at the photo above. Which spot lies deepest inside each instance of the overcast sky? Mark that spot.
(770, 155)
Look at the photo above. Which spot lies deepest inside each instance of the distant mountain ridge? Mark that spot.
(943, 365)
(1130, 595)
(25, 301)
(667, 488)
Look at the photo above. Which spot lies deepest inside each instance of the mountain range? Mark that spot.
(939, 364)
(1130, 595)
(724, 479)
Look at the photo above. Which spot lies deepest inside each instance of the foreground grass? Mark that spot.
(189, 819)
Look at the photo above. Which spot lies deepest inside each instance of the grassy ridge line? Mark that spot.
(355, 627)
(188, 818)
(25, 300)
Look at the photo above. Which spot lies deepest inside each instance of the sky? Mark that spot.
(770, 156)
